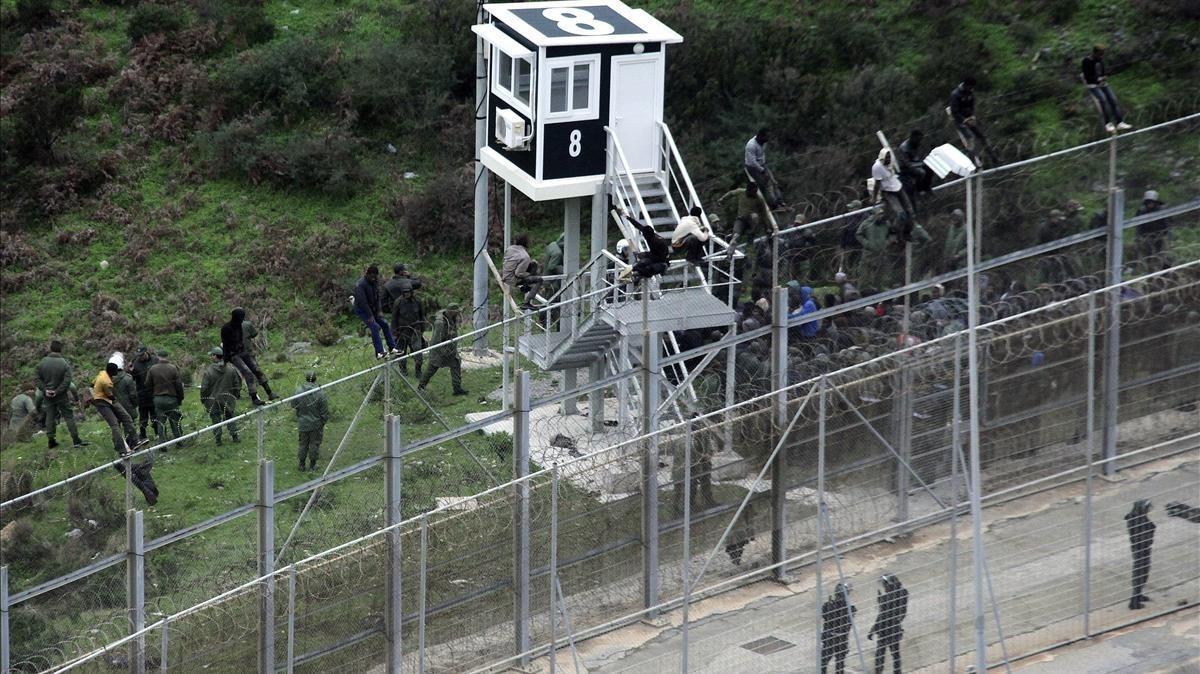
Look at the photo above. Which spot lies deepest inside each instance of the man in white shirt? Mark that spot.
(690, 235)
(887, 185)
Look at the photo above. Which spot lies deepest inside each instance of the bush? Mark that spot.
(439, 216)
(151, 19)
(289, 77)
(400, 86)
(35, 14)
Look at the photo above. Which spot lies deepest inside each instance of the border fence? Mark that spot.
(438, 530)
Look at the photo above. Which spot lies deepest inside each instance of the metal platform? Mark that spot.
(676, 310)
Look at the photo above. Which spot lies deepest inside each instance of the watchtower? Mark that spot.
(570, 106)
(559, 74)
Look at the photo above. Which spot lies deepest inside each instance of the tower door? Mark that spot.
(636, 108)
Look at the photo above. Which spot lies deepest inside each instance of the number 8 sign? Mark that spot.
(578, 21)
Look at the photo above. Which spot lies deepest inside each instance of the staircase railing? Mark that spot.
(629, 196)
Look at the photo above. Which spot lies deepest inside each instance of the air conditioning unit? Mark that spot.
(510, 130)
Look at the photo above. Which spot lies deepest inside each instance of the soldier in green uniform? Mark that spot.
(166, 384)
(143, 360)
(312, 413)
(445, 330)
(53, 382)
(126, 388)
(220, 388)
(21, 409)
(408, 320)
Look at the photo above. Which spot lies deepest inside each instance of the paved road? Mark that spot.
(1035, 552)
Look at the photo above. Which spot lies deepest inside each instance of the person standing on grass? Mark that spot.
(233, 346)
(167, 386)
(1095, 78)
(312, 413)
(126, 388)
(104, 399)
(408, 326)
(143, 360)
(219, 390)
(445, 353)
(367, 307)
(53, 377)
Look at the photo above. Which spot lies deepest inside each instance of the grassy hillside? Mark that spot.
(222, 153)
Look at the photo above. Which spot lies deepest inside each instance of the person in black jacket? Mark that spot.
(1184, 511)
(892, 601)
(652, 262)
(962, 110)
(233, 348)
(837, 616)
(1095, 78)
(368, 308)
(1141, 539)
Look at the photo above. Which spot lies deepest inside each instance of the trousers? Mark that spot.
(310, 447)
(56, 408)
(118, 420)
(1107, 101)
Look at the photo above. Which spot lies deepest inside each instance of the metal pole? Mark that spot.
(955, 452)
(421, 588)
(136, 588)
(687, 538)
(1112, 339)
(387, 391)
(395, 605)
(730, 390)
(553, 566)
(973, 411)
(5, 658)
(569, 317)
(266, 567)
(649, 467)
(521, 516)
(902, 438)
(1090, 444)
(479, 295)
(505, 359)
(260, 433)
(819, 622)
(291, 620)
(779, 373)
(598, 244)
(162, 645)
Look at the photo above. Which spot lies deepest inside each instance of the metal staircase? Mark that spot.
(596, 311)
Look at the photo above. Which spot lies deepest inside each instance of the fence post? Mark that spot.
(422, 595)
(260, 431)
(1091, 457)
(136, 588)
(596, 397)
(1112, 339)
(291, 620)
(902, 438)
(818, 621)
(779, 344)
(687, 540)
(955, 452)
(973, 480)
(5, 658)
(164, 635)
(553, 566)
(569, 316)
(266, 566)
(521, 516)
(395, 605)
(650, 348)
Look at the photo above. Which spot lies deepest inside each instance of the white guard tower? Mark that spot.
(572, 108)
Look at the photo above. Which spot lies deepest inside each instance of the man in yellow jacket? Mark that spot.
(104, 399)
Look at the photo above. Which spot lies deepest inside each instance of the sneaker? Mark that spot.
(380, 356)
(1110, 127)
(394, 352)
(257, 402)
(1122, 126)
(78, 442)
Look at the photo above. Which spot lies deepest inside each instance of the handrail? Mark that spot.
(620, 154)
(687, 178)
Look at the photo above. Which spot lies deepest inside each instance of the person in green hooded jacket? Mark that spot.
(312, 413)
(445, 353)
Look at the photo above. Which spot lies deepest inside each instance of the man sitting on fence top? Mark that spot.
(755, 164)
(962, 111)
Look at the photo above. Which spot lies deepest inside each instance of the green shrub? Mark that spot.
(289, 77)
(400, 86)
(149, 19)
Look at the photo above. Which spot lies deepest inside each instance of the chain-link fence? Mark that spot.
(886, 411)
(812, 483)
